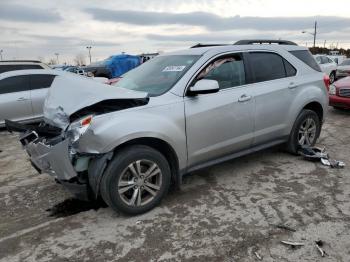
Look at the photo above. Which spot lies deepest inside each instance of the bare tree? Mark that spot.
(41, 59)
(79, 60)
(52, 61)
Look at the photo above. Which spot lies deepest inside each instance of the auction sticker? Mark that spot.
(173, 68)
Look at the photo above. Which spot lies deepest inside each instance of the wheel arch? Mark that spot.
(317, 108)
(98, 165)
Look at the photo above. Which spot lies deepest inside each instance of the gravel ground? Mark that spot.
(228, 212)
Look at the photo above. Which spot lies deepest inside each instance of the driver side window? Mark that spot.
(227, 70)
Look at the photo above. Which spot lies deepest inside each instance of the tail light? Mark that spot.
(326, 81)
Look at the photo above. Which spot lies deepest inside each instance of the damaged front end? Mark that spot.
(53, 145)
(52, 152)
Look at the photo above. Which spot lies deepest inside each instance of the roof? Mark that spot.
(233, 48)
(20, 61)
(32, 72)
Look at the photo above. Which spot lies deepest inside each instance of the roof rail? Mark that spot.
(32, 61)
(206, 45)
(264, 41)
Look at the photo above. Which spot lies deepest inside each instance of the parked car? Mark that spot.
(75, 70)
(174, 114)
(113, 66)
(336, 57)
(339, 94)
(328, 66)
(343, 69)
(12, 65)
(23, 92)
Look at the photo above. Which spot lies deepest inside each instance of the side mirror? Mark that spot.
(204, 86)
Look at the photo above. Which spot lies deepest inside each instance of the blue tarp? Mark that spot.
(120, 64)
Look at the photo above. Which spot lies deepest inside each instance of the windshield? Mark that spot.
(345, 62)
(157, 75)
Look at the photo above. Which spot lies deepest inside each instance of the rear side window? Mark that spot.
(7, 68)
(41, 81)
(14, 84)
(306, 57)
(266, 66)
(290, 70)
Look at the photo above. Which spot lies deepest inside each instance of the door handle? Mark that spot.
(22, 99)
(292, 85)
(244, 98)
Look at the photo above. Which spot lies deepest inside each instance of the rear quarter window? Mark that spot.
(41, 81)
(307, 58)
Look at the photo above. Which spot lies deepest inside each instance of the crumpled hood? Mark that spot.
(70, 93)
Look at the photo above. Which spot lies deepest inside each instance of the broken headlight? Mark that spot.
(78, 128)
(332, 90)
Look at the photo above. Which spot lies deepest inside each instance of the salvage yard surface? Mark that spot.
(228, 212)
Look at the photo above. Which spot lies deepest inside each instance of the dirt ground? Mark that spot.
(223, 213)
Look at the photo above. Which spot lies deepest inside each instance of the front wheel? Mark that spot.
(136, 180)
(306, 130)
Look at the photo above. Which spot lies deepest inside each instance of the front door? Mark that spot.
(221, 123)
(15, 101)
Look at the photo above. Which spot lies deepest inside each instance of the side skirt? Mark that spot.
(232, 156)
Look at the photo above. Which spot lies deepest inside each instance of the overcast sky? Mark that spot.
(36, 28)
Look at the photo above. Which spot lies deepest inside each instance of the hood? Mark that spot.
(69, 94)
(343, 82)
(344, 67)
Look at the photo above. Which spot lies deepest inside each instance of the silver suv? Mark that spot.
(174, 114)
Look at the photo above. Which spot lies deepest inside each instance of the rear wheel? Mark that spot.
(306, 130)
(332, 77)
(136, 180)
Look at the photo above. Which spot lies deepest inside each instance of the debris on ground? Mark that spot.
(319, 154)
(286, 227)
(257, 255)
(292, 244)
(332, 163)
(319, 245)
(138, 222)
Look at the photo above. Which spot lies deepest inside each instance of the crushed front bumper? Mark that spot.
(52, 155)
(52, 159)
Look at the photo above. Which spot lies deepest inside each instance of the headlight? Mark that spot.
(78, 128)
(332, 90)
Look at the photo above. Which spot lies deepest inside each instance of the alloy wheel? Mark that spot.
(140, 182)
(307, 132)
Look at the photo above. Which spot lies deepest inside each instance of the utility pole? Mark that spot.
(89, 48)
(1, 51)
(57, 54)
(324, 44)
(315, 32)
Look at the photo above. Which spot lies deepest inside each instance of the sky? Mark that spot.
(38, 29)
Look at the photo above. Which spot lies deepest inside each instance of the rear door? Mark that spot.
(274, 89)
(221, 123)
(39, 86)
(15, 101)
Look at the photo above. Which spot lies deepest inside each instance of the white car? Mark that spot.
(328, 66)
(23, 92)
(12, 65)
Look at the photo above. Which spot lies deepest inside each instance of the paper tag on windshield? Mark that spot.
(174, 68)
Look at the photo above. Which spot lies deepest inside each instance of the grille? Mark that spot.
(345, 92)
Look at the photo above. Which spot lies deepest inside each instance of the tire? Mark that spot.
(293, 143)
(332, 77)
(126, 176)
